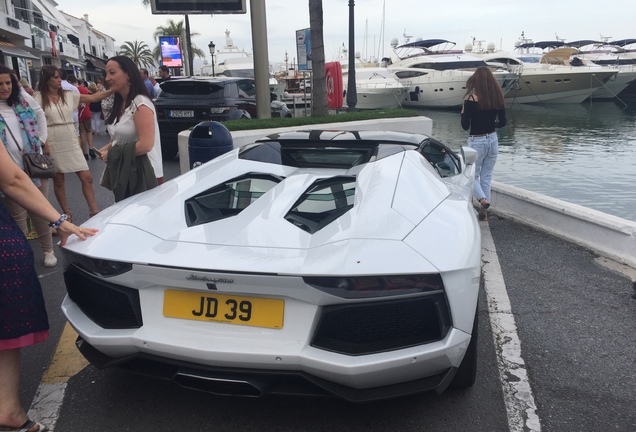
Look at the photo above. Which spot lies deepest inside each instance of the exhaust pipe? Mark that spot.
(219, 386)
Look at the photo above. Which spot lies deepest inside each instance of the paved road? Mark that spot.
(576, 322)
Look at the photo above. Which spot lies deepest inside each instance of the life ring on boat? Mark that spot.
(333, 74)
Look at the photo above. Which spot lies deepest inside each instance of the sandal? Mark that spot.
(25, 427)
(483, 210)
(484, 203)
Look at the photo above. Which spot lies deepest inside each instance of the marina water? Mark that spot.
(581, 153)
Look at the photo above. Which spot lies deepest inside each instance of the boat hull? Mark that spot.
(376, 88)
(569, 86)
(445, 89)
(616, 84)
(380, 98)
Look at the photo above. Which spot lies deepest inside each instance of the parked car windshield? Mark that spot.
(190, 88)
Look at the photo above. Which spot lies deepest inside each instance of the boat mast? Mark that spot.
(382, 29)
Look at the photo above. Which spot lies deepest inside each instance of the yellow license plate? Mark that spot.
(248, 311)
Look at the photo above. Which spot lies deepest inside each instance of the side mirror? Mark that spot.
(470, 155)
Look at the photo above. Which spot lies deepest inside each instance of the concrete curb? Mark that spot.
(607, 235)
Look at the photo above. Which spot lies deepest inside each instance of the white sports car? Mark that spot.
(310, 262)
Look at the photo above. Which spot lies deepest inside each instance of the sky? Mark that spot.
(497, 21)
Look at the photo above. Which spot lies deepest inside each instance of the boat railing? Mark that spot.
(379, 85)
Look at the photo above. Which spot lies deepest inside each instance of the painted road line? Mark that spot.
(520, 406)
(67, 362)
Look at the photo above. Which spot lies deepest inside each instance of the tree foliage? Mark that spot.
(138, 52)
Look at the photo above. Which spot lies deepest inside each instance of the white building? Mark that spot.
(34, 33)
(95, 47)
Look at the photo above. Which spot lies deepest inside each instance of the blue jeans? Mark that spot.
(487, 148)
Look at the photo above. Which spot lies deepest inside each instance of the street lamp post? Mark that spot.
(212, 46)
(352, 96)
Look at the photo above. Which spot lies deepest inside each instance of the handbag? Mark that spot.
(36, 165)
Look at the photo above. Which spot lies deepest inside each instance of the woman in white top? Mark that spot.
(133, 117)
(23, 130)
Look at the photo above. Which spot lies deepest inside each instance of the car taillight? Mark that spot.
(377, 286)
(98, 267)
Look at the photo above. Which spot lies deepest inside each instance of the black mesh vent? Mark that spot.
(382, 326)
(108, 305)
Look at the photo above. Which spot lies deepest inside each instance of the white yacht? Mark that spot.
(627, 47)
(611, 57)
(436, 74)
(376, 88)
(233, 61)
(541, 80)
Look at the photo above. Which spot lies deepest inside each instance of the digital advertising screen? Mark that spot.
(198, 6)
(171, 51)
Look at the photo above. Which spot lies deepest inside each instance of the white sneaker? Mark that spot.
(49, 259)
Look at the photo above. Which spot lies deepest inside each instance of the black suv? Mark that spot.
(184, 103)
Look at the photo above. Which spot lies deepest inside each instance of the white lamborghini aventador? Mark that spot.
(310, 262)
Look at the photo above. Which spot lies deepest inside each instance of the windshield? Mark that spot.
(189, 88)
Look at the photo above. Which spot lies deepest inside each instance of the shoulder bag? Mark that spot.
(36, 165)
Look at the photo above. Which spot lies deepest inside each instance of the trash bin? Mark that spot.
(208, 140)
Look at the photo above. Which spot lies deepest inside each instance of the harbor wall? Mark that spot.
(607, 235)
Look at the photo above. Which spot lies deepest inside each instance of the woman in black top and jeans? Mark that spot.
(483, 110)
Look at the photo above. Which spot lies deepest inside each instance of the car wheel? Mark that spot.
(169, 151)
(467, 371)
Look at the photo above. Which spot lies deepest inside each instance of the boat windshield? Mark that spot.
(529, 59)
(470, 64)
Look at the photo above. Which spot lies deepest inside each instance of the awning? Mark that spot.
(10, 49)
(95, 62)
(71, 62)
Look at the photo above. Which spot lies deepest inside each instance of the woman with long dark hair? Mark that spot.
(23, 129)
(483, 110)
(58, 106)
(133, 117)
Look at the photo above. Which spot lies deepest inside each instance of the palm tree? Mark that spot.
(319, 104)
(138, 52)
(178, 29)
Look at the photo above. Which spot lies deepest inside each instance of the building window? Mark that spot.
(21, 10)
(38, 20)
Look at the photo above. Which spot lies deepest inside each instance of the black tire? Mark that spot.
(467, 371)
